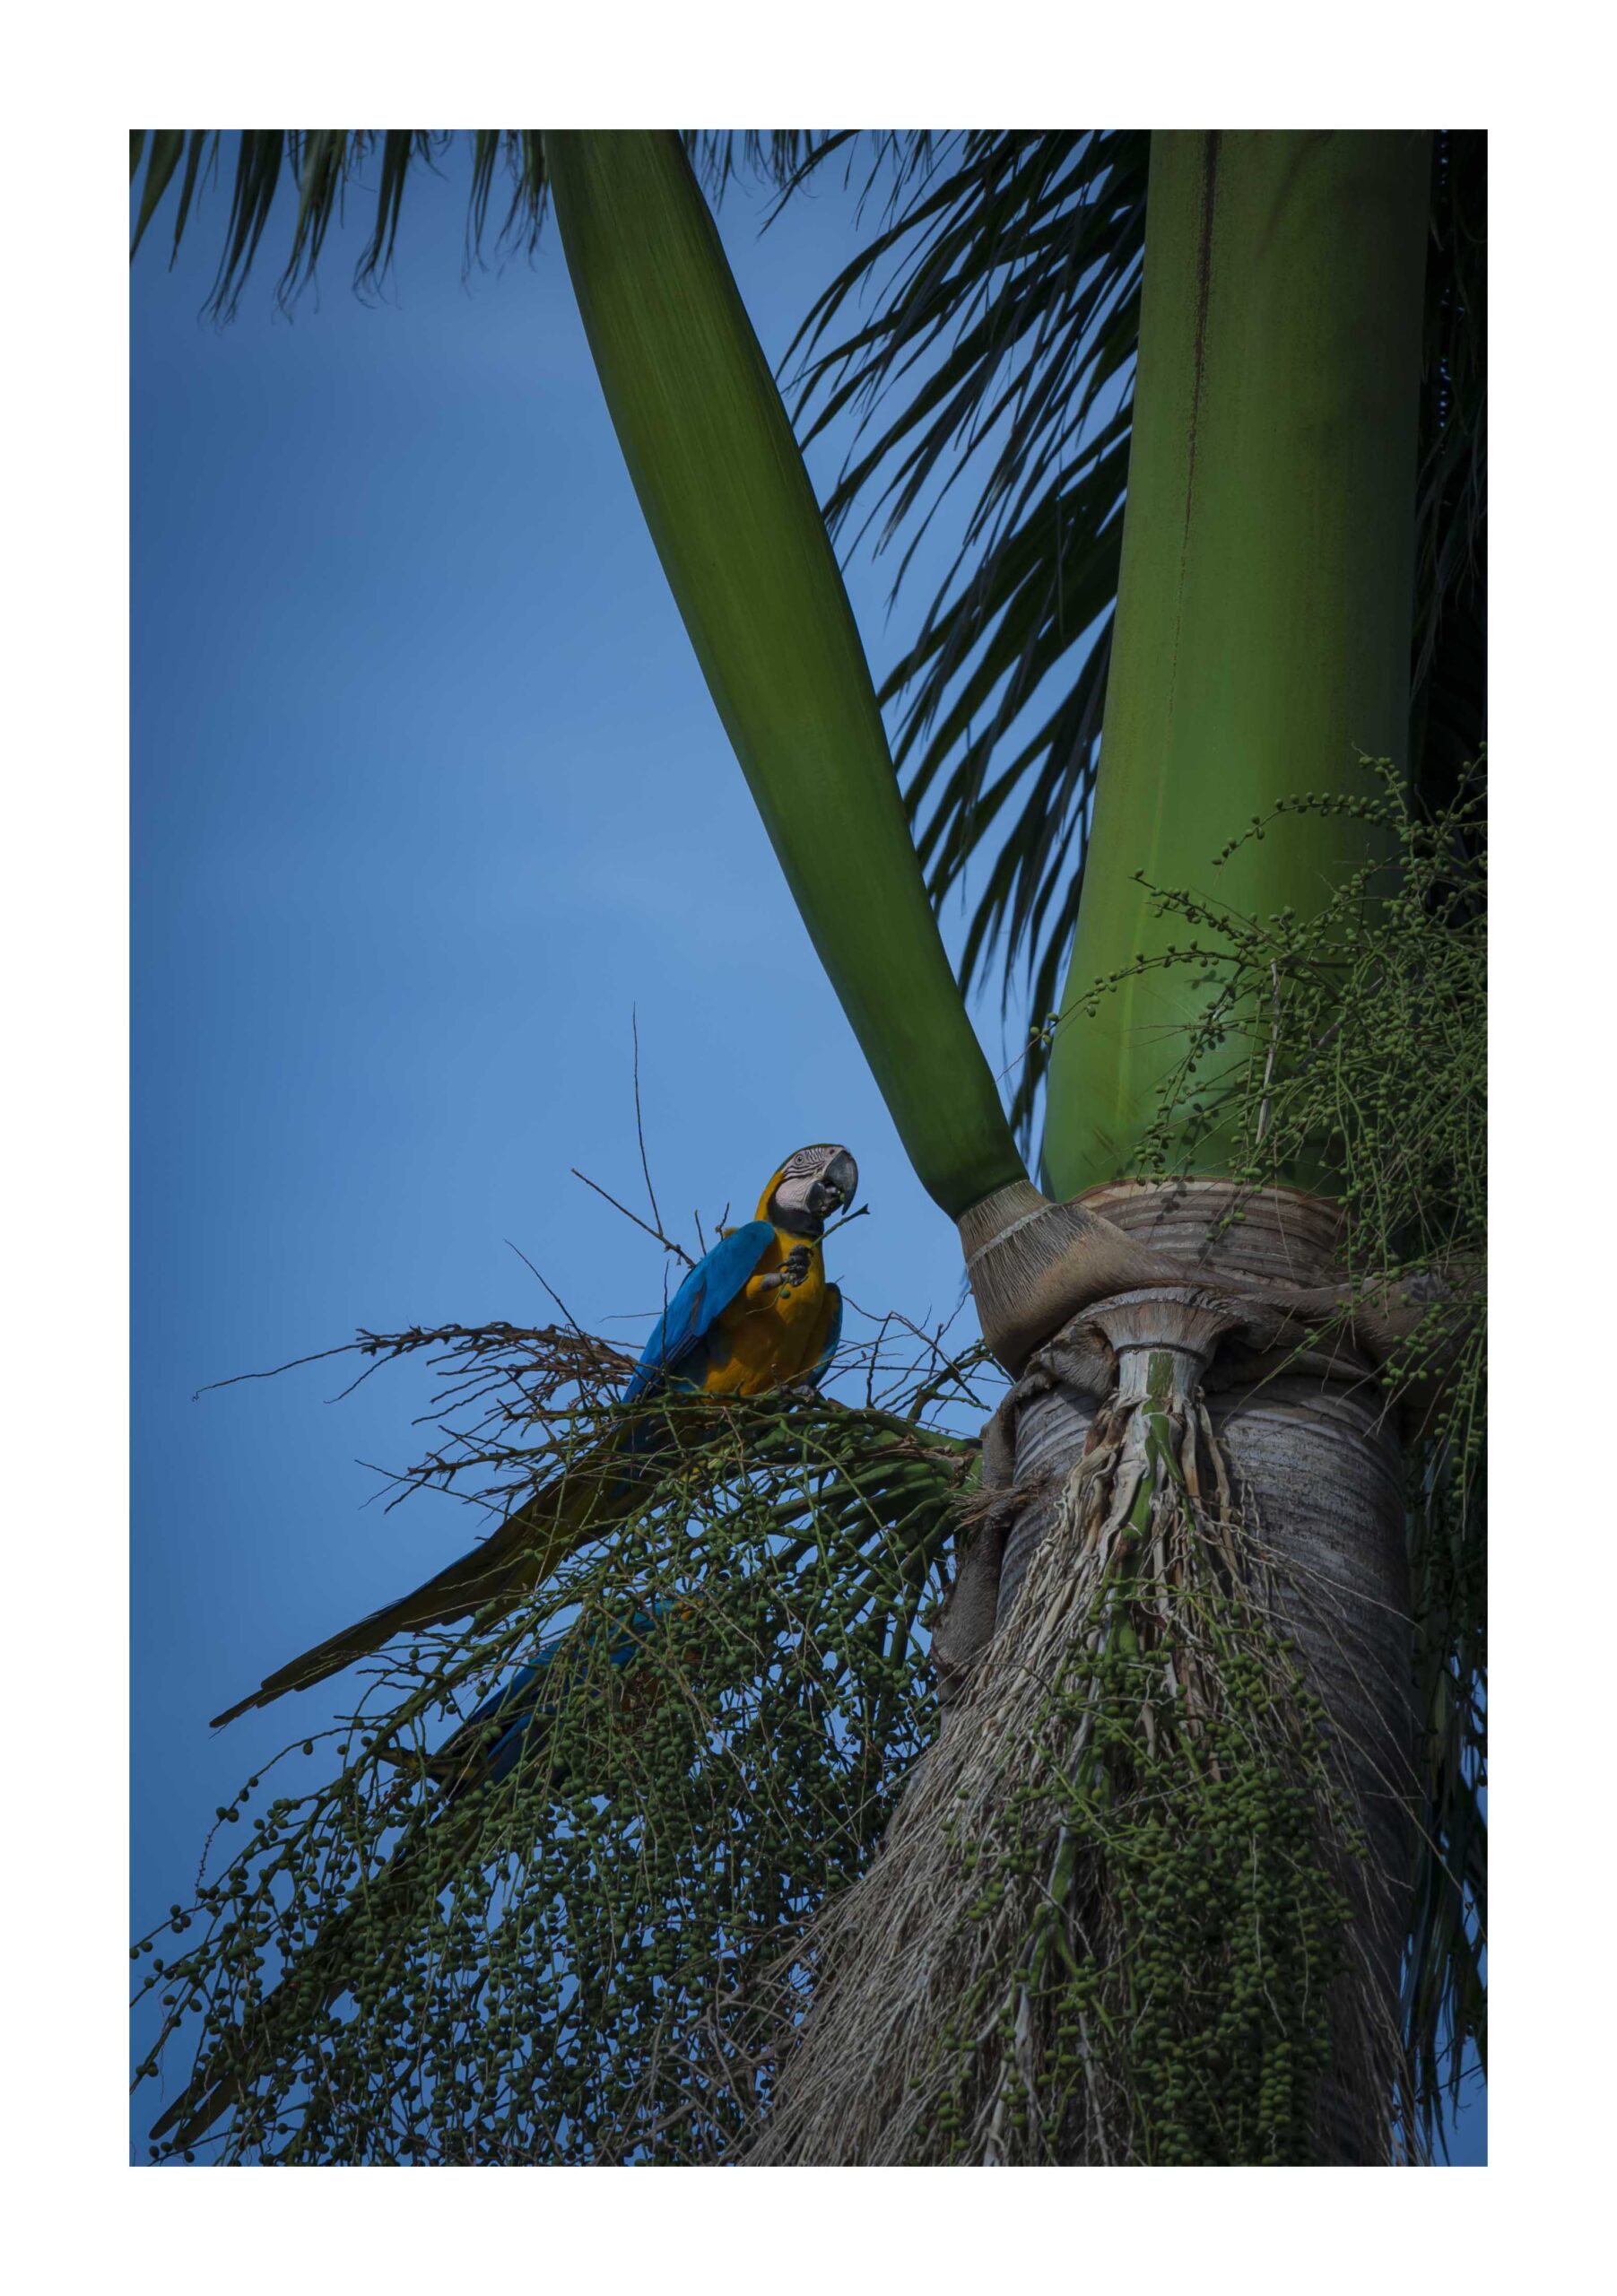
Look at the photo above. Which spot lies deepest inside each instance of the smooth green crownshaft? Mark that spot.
(1263, 630)
(735, 523)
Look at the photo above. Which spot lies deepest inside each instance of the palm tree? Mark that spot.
(1193, 1515)
(1007, 290)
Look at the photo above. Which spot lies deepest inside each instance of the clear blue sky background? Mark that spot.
(428, 794)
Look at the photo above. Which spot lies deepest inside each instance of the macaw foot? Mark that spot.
(794, 1269)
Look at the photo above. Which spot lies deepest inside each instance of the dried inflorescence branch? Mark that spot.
(595, 1958)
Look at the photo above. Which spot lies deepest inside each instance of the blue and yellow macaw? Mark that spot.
(755, 1314)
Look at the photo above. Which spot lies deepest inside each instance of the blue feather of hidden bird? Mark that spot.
(519, 1698)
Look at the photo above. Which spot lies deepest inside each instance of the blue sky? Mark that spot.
(428, 798)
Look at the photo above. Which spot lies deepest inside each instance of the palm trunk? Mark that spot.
(1316, 1452)
(1312, 1460)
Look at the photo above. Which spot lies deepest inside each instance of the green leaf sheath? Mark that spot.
(739, 533)
(1263, 628)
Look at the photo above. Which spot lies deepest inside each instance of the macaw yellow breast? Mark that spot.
(767, 1336)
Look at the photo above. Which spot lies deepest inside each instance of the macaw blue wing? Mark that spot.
(701, 1299)
(518, 1701)
(833, 1335)
(478, 1754)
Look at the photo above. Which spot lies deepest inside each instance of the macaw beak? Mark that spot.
(837, 1185)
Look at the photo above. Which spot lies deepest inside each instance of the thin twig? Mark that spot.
(1263, 1113)
(556, 1296)
(320, 1355)
(667, 1242)
(863, 1212)
(640, 1129)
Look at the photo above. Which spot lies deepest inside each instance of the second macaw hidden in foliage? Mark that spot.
(1187, 1868)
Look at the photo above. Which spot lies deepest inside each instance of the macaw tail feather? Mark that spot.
(193, 2111)
(211, 2091)
(324, 1972)
(583, 1501)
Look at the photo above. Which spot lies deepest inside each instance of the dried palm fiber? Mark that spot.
(1033, 1265)
(1268, 1247)
(1161, 1484)
(1319, 1465)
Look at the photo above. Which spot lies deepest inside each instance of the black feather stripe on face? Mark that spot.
(811, 1161)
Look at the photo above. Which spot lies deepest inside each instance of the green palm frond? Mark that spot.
(781, 156)
(1005, 291)
(308, 175)
(986, 335)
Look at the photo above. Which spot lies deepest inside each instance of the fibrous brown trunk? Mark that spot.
(1318, 1450)
(1312, 1449)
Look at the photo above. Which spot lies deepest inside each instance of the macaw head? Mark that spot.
(809, 1186)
